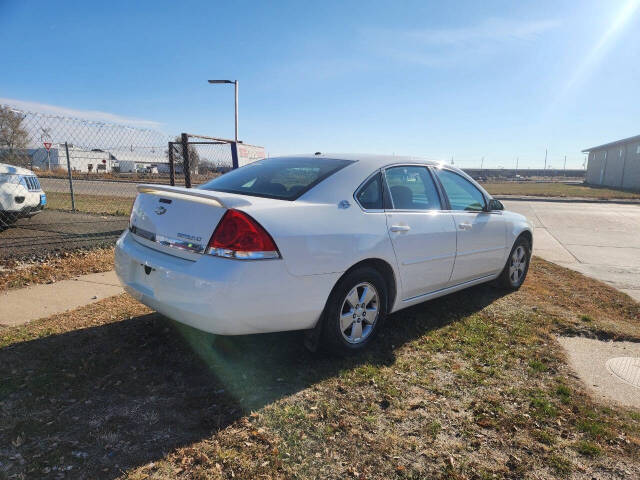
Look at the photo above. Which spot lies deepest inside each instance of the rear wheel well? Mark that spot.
(385, 270)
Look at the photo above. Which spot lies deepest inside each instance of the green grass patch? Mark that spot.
(544, 437)
(541, 407)
(564, 393)
(538, 366)
(588, 449)
(594, 428)
(560, 465)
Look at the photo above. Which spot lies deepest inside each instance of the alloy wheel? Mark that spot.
(359, 312)
(518, 265)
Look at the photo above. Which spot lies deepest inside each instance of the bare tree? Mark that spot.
(13, 137)
(194, 156)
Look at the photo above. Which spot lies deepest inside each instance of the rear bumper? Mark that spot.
(220, 295)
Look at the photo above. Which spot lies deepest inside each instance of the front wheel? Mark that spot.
(355, 311)
(517, 266)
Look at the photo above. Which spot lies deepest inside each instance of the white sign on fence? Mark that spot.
(249, 153)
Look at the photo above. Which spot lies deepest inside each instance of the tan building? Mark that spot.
(615, 164)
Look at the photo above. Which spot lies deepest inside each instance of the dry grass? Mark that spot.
(470, 386)
(17, 274)
(556, 189)
(104, 204)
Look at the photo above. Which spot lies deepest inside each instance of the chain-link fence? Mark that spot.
(68, 181)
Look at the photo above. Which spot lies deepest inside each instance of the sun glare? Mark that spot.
(605, 42)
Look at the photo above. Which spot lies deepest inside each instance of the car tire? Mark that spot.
(515, 270)
(354, 312)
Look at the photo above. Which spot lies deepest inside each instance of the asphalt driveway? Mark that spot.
(600, 240)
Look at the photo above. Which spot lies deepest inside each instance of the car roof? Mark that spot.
(363, 166)
(374, 161)
(6, 169)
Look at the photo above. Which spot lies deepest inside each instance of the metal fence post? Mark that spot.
(185, 160)
(172, 167)
(234, 155)
(73, 200)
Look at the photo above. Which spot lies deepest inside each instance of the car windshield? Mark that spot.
(282, 178)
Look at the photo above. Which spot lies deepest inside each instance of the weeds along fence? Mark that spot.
(69, 181)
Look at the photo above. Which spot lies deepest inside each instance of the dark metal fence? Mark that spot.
(69, 182)
(196, 159)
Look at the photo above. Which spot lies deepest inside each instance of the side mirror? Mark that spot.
(495, 205)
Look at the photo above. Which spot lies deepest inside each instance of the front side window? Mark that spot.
(370, 195)
(412, 188)
(282, 178)
(463, 195)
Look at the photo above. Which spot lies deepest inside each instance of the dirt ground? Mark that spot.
(469, 386)
(53, 231)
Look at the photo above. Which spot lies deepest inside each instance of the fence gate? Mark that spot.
(68, 182)
(196, 159)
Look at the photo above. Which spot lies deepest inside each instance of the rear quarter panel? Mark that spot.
(320, 238)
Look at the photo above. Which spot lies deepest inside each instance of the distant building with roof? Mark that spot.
(615, 164)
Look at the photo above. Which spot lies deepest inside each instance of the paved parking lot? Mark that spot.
(601, 240)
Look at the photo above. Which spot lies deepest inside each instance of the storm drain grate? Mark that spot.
(626, 369)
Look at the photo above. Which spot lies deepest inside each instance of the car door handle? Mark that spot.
(400, 228)
(465, 226)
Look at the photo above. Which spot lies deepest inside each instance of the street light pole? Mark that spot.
(235, 83)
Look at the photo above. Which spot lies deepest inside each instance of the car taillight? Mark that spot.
(239, 236)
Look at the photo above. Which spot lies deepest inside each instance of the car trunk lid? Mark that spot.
(179, 221)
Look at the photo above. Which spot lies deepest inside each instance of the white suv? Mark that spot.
(20, 194)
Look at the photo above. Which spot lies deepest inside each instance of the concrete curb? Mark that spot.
(620, 201)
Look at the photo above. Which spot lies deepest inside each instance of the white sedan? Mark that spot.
(327, 243)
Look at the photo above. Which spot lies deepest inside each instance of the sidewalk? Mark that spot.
(533, 198)
(37, 301)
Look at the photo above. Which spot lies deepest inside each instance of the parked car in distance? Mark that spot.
(327, 243)
(21, 194)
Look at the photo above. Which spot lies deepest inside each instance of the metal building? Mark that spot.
(615, 164)
(81, 160)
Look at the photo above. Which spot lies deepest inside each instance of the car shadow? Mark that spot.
(104, 399)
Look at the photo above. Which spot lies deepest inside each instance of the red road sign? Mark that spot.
(47, 145)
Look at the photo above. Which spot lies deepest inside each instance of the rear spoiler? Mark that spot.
(219, 199)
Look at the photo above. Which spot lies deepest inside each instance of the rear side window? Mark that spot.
(412, 188)
(282, 178)
(463, 195)
(370, 195)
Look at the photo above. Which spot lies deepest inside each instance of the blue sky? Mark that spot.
(499, 79)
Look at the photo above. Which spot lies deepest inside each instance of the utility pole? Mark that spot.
(545, 158)
(481, 163)
(517, 158)
(451, 159)
(565, 165)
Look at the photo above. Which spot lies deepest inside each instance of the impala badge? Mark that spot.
(160, 210)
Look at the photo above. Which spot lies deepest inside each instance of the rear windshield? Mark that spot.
(282, 178)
